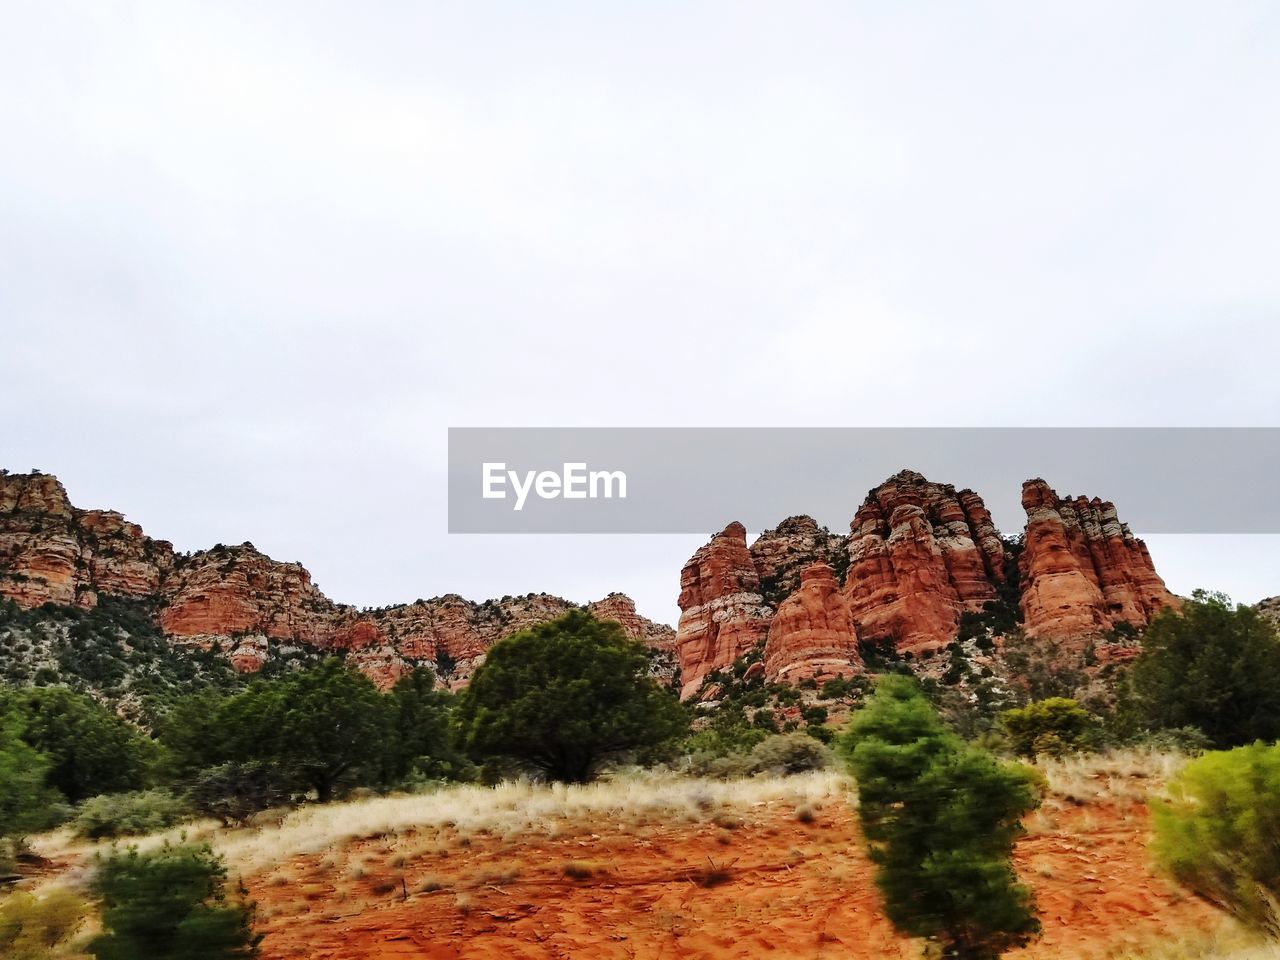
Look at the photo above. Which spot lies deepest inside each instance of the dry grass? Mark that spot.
(414, 826)
(1228, 942)
(1125, 775)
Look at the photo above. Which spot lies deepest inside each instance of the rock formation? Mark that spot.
(238, 590)
(812, 635)
(1270, 610)
(780, 554)
(247, 605)
(50, 552)
(722, 613)
(1082, 571)
(919, 554)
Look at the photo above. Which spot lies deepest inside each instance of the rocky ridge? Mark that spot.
(919, 557)
(1083, 572)
(241, 602)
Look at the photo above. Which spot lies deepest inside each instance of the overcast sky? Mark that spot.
(255, 258)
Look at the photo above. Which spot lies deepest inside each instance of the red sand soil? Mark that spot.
(766, 885)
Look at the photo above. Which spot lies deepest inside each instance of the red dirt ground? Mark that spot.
(767, 886)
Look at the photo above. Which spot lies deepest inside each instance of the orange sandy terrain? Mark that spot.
(742, 883)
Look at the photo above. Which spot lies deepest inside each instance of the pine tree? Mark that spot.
(940, 819)
(563, 697)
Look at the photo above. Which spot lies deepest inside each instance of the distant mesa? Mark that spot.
(242, 601)
(917, 557)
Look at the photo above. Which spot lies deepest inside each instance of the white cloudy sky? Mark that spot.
(256, 257)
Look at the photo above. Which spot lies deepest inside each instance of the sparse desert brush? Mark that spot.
(1117, 774)
(1228, 942)
(518, 808)
(579, 869)
(32, 927)
(713, 874)
(386, 885)
(499, 876)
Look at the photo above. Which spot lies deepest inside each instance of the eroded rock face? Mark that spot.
(246, 604)
(919, 554)
(621, 608)
(239, 590)
(779, 555)
(813, 634)
(1270, 610)
(50, 552)
(722, 613)
(1082, 570)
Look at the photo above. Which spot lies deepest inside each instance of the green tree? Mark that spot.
(324, 727)
(26, 802)
(564, 697)
(1218, 833)
(940, 819)
(333, 725)
(1211, 666)
(1054, 726)
(419, 743)
(192, 735)
(90, 750)
(170, 904)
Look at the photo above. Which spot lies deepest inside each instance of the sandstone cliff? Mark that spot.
(50, 552)
(919, 554)
(779, 555)
(243, 603)
(812, 636)
(722, 613)
(1082, 571)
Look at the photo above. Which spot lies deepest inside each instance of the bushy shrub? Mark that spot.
(233, 792)
(718, 766)
(129, 814)
(1211, 666)
(1055, 726)
(170, 904)
(1186, 740)
(838, 688)
(1218, 833)
(26, 803)
(789, 753)
(327, 726)
(33, 928)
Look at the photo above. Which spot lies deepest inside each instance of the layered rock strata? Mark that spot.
(779, 555)
(51, 552)
(722, 612)
(812, 636)
(247, 605)
(1082, 571)
(920, 553)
